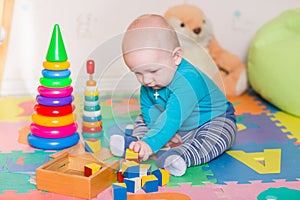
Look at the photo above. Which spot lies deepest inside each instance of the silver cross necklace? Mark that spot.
(156, 95)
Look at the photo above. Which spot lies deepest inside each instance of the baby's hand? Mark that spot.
(142, 148)
(175, 141)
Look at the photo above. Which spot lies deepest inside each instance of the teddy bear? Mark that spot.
(194, 28)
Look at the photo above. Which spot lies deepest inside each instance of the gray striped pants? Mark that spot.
(199, 145)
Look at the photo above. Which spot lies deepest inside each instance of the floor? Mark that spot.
(265, 154)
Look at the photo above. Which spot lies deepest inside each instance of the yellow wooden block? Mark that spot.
(91, 169)
(165, 176)
(162, 175)
(93, 145)
(131, 155)
(267, 162)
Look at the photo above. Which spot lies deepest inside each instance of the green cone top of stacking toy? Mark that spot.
(56, 50)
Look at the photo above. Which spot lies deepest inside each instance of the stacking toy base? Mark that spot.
(53, 143)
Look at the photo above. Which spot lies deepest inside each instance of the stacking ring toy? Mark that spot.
(91, 103)
(91, 93)
(92, 124)
(56, 73)
(54, 111)
(55, 92)
(46, 101)
(91, 98)
(55, 82)
(92, 130)
(87, 135)
(92, 114)
(53, 132)
(53, 121)
(53, 143)
(56, 65)
(91, 119)
(92, 108)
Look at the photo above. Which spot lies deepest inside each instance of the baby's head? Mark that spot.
(151, 50)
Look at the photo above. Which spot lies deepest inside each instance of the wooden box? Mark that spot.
(65, 175)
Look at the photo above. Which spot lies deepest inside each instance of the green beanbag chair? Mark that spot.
(274, 62)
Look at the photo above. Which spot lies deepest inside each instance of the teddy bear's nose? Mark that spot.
(197, 30)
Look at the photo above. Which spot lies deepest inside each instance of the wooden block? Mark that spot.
(129, 129)
(119, 191)
(131, 155)
(145, 170)
(65, 175)
(150, 183)
(133, 184)
(120, 177)
(92, 145)
(130, 167)
(91, 169)
(162, 175)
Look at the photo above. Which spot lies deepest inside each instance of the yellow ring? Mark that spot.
(53, 121)
(56, 65)
(92, 124)
(91, 93)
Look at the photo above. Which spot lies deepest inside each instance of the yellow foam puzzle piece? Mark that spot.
(266, 162)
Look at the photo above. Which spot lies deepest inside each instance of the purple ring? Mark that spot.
(47, 101)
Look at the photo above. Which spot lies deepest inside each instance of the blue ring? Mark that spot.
(92, 108)
(47, 101)
(56, 73)
(91, 98)
(53, 143)
(91, 119)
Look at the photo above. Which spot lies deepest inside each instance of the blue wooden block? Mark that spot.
(129, 130)
(133, 184)
(119, 191)
(162, 175)
(150, 183)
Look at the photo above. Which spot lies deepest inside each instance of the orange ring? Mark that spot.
(53, 121)
(56, 65)
(92, 124)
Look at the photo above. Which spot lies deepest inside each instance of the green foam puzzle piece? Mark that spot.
(281, 193)
(28, 157)
(56, 50)
(196, 176)
(15, 181)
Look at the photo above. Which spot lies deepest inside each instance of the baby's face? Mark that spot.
(153, 68)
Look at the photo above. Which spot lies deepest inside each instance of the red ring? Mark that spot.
(54, 111)
(92, 130)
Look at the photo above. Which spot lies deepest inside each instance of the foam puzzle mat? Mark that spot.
(264, 157)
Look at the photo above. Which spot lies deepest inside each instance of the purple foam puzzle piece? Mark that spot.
(265, 131)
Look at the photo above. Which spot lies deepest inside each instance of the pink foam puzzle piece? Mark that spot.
(9, 135)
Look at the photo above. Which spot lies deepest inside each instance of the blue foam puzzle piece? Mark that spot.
(229, 169)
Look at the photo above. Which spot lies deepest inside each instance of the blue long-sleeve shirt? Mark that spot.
(190, 100)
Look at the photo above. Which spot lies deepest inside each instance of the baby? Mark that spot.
(178, 102)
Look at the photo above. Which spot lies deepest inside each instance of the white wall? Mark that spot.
(92, 28)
